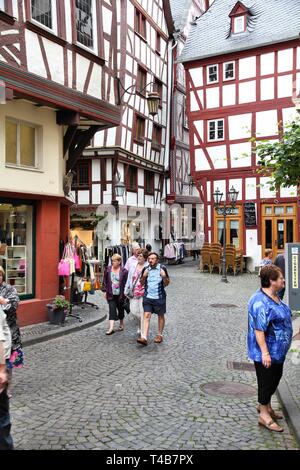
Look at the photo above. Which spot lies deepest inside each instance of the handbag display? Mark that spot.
(87, 286)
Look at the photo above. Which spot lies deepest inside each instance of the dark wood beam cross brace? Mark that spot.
(80, 141)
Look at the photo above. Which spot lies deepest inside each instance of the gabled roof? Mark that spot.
(238, 8)
(269, 22)
(180, 9)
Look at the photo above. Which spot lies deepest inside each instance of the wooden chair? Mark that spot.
(234, 261)
(216, 259)
(205, 258)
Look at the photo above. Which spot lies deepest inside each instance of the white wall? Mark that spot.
(48, 178)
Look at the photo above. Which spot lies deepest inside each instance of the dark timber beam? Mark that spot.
(69, 137)
(80, 141)
(67, 118)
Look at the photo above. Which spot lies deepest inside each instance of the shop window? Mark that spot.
(140, 24)
(132, 179)
(289, 209)
(20, 143)
(268, 210)
(16, 249)
(44, 13)
(85, 22)
(139, 135)
(149, 182)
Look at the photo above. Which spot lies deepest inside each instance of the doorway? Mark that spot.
(278, 226)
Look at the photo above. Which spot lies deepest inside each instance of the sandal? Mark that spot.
(121, 328)
(110, 332)
(268, 425)
(273, 413)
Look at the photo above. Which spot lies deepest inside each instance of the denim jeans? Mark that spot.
(6, 442)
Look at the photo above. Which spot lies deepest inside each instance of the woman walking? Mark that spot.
(134, 289)
(269, 338)
(114, 281)
(9, 300)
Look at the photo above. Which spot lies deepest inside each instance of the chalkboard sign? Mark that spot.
(250, 214)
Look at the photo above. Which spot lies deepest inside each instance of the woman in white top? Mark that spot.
(135, 291)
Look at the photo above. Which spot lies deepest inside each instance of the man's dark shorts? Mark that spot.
(157, 306)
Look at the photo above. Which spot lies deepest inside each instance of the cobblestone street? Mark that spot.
(90, 391)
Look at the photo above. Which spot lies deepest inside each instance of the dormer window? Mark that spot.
(239, 18)
(239, 24)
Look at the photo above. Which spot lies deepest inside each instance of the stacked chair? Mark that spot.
(216, 257)
(234, 261)
(205, 257)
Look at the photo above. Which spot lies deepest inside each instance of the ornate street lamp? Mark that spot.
(153, 98)
(225, 210)
(118, 188)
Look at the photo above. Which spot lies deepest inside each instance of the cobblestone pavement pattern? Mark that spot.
(91, 391)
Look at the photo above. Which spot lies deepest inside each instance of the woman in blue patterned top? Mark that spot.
(269, 338)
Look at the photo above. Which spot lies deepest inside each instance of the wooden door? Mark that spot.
(278, 226)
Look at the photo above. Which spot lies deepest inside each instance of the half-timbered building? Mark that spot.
(182, 195)
(242, 63)
(137, 152)
(57, 88)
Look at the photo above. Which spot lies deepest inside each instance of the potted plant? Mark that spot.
(58, 309)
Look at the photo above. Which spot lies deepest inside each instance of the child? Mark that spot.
(267, 260)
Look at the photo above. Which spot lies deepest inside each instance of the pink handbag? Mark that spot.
(64, 267)
(77, 261)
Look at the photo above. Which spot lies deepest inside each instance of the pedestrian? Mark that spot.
(267, 260)
(9, 300)
(280, 263)
(134, 289)
(148, 248)
(114, 281)
(155, 278)
(132, 261)
(269, 338)
(6, 442)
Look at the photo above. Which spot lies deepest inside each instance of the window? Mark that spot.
(149, 182)
(156, 136)
(141, 80)
(158, 43)
(44, 12)
(228, 71)
(140, 24)
(16, 237)
(85, 22)
(185, 121)
(158, 87)
(212, 74)
(20, 143)
(216, 130)
(2, 5)
(239, 24)
(139, 130)
(132, 179)
(82, 175)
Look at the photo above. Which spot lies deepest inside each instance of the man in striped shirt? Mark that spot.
(155, 278)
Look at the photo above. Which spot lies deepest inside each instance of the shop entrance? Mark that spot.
(278, 226)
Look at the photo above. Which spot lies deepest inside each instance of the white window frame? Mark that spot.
(215, 121)
(93, 49)
(38, 145)
(54, 28)
(236, 21)
(207, 72)
(224, 71)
